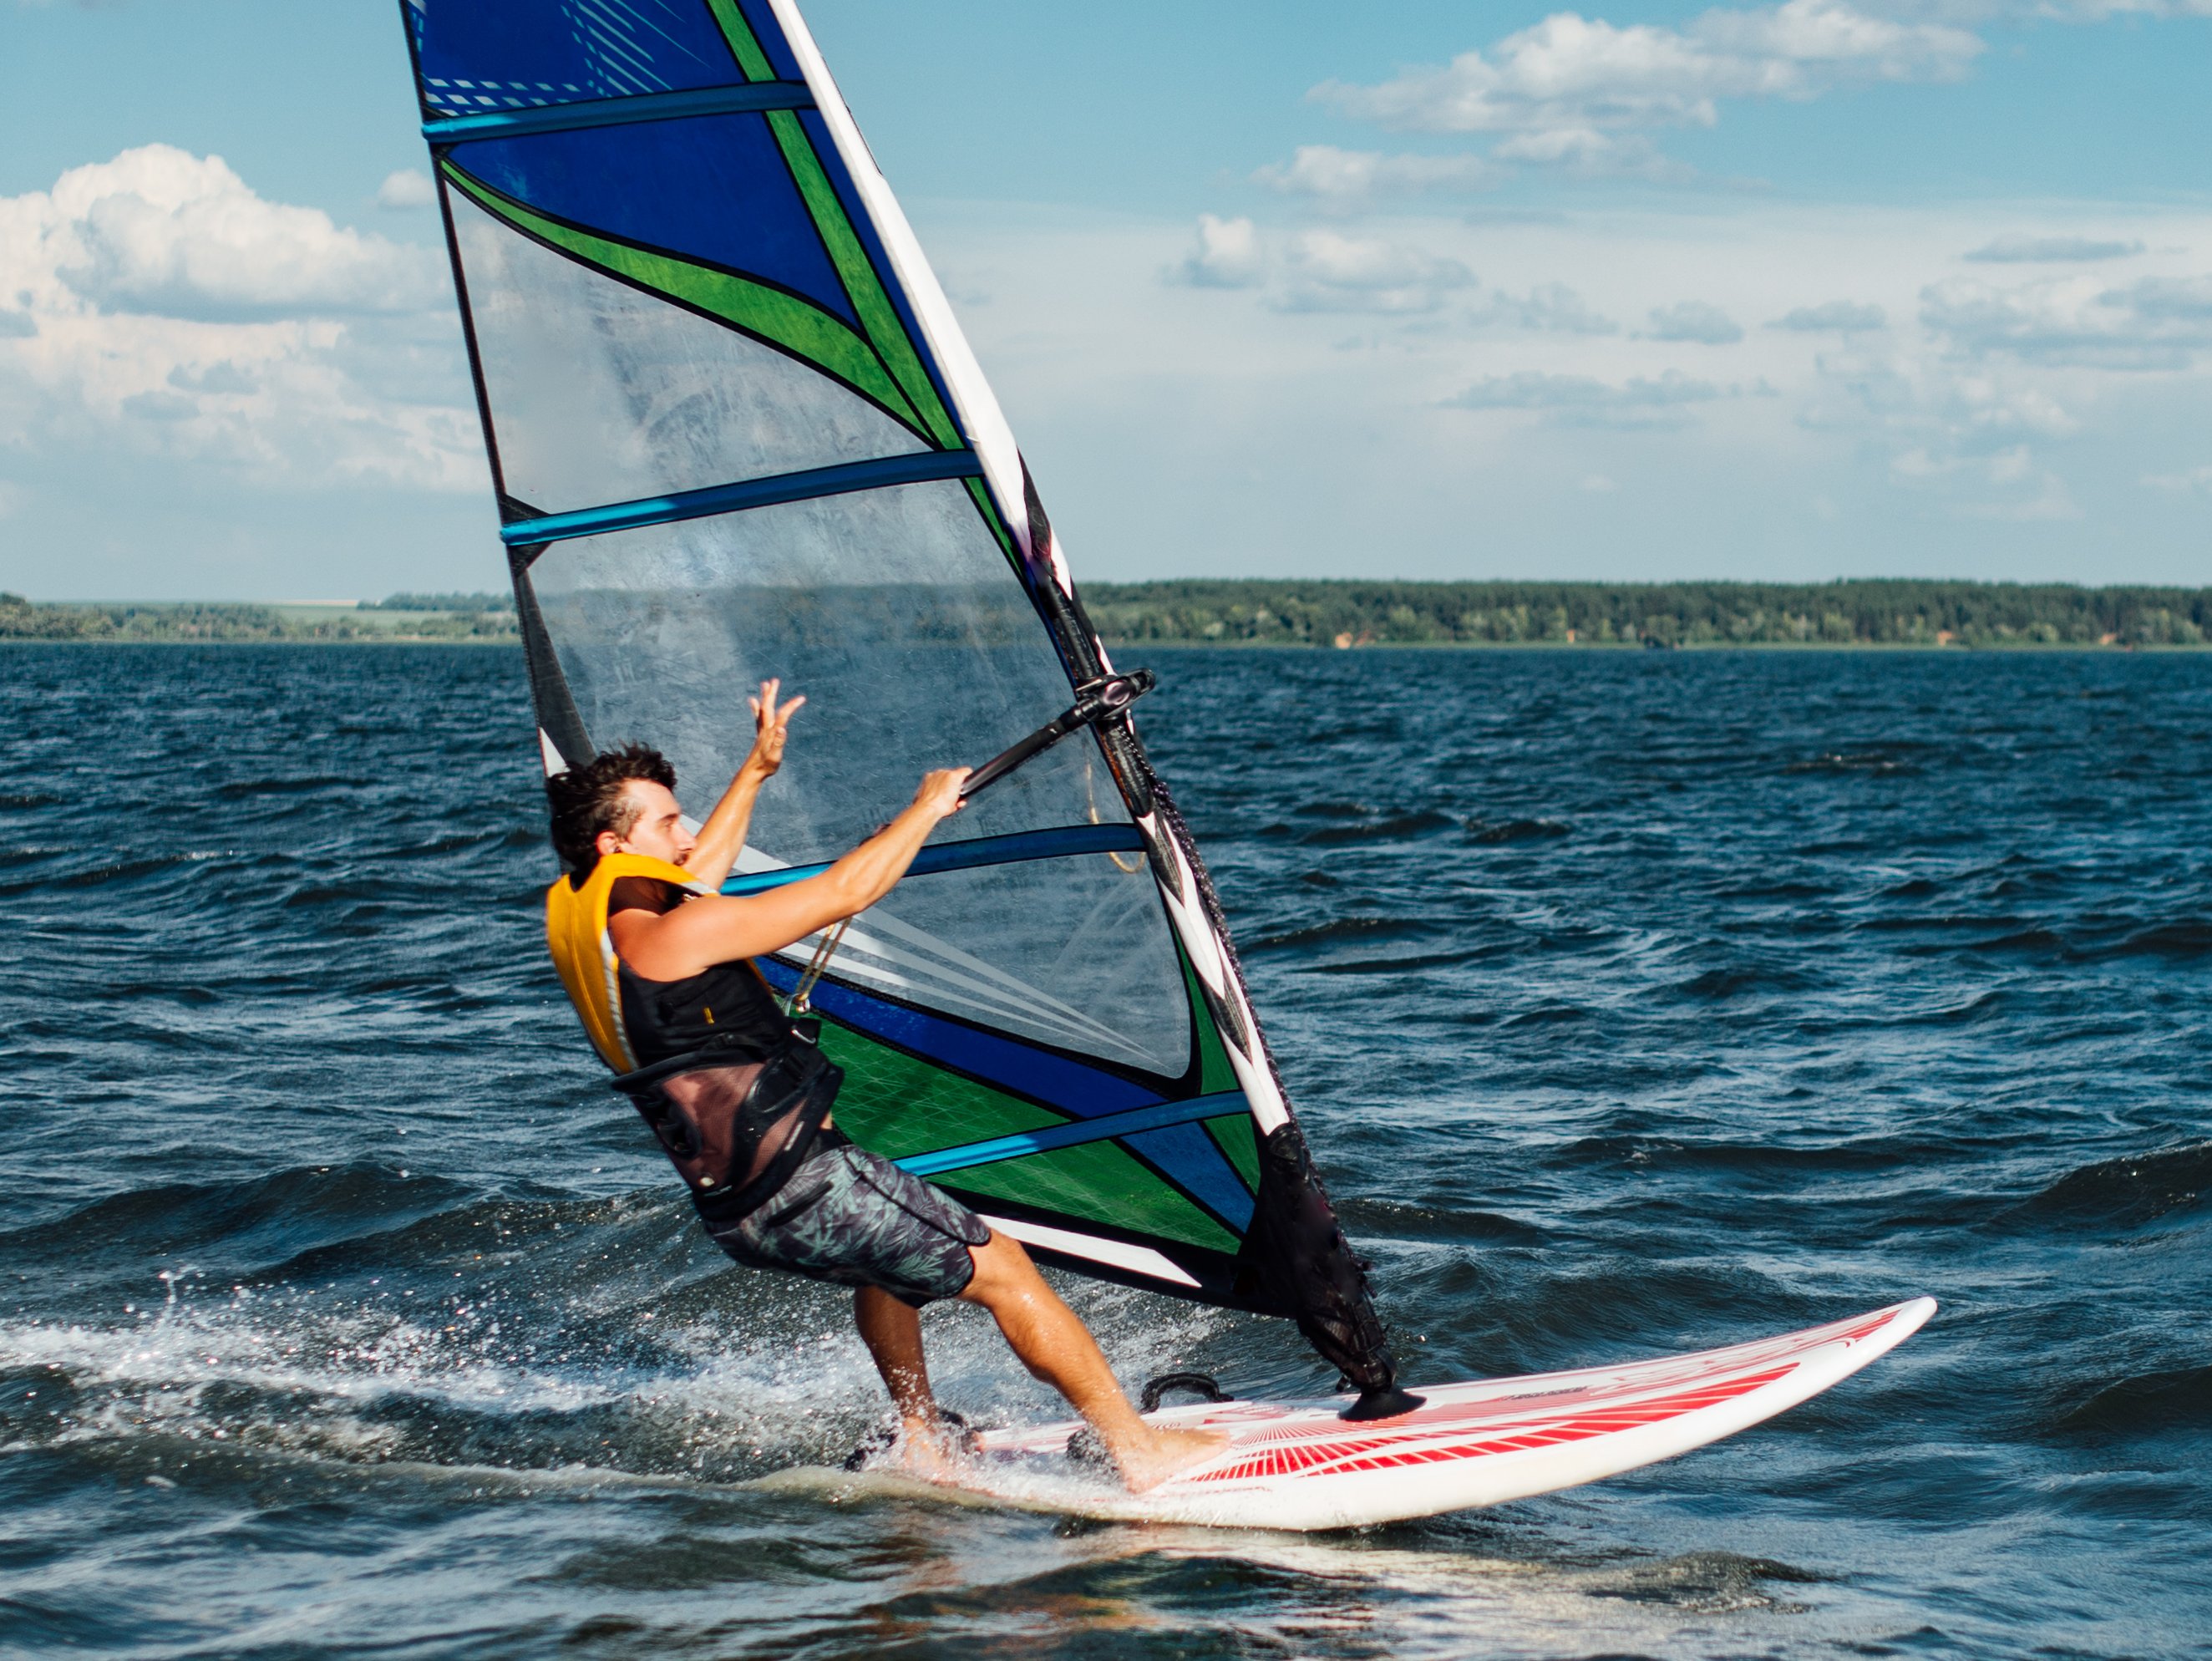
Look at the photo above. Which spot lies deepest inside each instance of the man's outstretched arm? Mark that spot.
(724, 833)
(719, 928)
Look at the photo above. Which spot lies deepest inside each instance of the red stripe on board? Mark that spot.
(1369, 1455)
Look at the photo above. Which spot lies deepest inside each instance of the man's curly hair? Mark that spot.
(588, 800)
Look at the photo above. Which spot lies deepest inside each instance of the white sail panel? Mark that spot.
(892, 610)
(601, 392)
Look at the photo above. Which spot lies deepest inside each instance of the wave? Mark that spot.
(1398, 828)
(1708, 1583)
(1874, 762)
(2148, 1404)
(2026, 942)
(95, 876)
(2180, 940)
(1342, 929)
(1550, 1014)
(1613, 1307)
(1399, 965)
(2123, 1194)
(1719, 985)
(1510, 831)
(247, 1229)
(723, 1383)
(247, 789)
(361, 1382)
(1670, 1153)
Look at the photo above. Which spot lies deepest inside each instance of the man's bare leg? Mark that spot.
(1058, 1349)
(892, 1332)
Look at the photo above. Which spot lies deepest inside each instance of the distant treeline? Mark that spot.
(1873, 612)
(23, 619)
(1204, 612)
(476, 602)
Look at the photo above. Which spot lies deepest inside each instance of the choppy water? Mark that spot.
(1632, 1002)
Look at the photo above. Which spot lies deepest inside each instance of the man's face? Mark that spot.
(658, 832)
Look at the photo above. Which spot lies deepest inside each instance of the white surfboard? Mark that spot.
(1298, 1465)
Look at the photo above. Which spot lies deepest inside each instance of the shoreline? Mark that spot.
(316, 641)
(1953, 648)
(1343, 614)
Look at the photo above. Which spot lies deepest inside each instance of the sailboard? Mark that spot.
(736, 433)
(1297, 1465)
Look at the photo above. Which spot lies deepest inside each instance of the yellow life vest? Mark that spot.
(584, 952)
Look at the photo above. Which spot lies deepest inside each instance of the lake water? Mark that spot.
(1632, 1002)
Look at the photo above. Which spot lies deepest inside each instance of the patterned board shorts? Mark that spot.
(852, 1219)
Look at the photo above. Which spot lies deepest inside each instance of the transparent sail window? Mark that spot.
(894, 612)
(601, 394)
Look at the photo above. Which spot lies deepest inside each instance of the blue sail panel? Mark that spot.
(760, 17)
(481, 56)
(1074, 1086)
(713, 191)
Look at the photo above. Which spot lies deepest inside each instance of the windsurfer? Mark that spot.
(659, 964)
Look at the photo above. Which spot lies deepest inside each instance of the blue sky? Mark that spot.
(1791, 292)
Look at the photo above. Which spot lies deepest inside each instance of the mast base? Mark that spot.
(1385, 1403)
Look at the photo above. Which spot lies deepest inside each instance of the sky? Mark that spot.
(1831, 288)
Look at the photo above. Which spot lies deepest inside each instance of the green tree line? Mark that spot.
(190, 622)
(1267, 612)
(1887, 611)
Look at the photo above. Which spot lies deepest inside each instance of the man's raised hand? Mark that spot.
(771, 728)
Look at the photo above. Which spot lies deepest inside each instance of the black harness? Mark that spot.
(736, 1123)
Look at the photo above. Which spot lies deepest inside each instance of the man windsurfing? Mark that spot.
(658, 966)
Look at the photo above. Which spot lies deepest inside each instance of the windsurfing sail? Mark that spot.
(736, 433)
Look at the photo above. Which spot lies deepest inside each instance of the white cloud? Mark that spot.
(2092, 10)
(1553, 308)
(2154, 324)
(1694, 320)
(1245, 417)
(1844, 316)
(1228, 256)
(2050, 499)
(1339, 177)
(2018, 250)
(160, 230)
(1326, 273)
(1585, 400)
(1559, 90)
(2197, 481)
(177, 315)
(1319, 270)
(410, 187)
(1930, 407)
(159, 406)
(1583, 96)
(1969, 438)
(1589, 154)
(218, 378)
(2182, 299)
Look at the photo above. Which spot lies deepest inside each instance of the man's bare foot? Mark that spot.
(934, 1448)
(1166, 1453)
